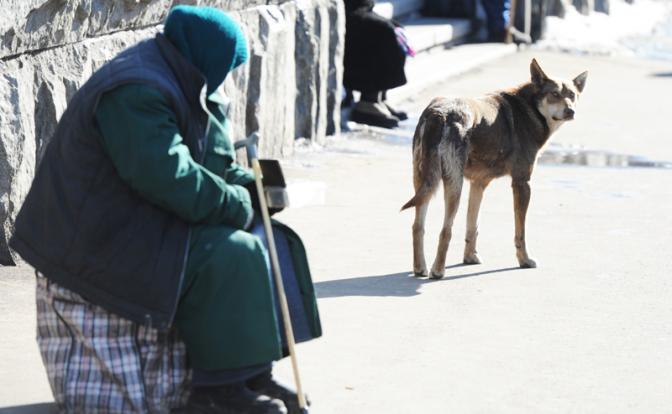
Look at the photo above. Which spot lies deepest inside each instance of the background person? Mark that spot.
(373, 63)
(498, 14)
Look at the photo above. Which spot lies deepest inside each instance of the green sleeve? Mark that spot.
(141, 136)
(220, 155)
(236, 174)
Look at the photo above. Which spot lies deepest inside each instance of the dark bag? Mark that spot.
(274, 185)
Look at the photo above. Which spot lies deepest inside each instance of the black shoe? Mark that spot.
(265, 384)
(401, 115)
(231, 399)
(375, 114)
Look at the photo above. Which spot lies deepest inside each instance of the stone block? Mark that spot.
(310, 59)
(335, 76)
(291, 86)
(271, 92)
(602, 6)
(39, 24)
(320, 35)
(589, 6)
(34, 92)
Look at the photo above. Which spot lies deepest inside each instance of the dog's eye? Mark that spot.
(556, 95)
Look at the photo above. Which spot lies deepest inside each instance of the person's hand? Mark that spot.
(245, 198)
(254, 197)
(252, 188)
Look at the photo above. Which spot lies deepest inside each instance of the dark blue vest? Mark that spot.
(83, 227)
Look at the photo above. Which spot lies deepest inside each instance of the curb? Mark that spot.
(435, 66)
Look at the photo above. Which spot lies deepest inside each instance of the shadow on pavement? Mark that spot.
(402, 284)
(44, 408)
(662, 75)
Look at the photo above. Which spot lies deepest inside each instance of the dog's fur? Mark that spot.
(482, 139)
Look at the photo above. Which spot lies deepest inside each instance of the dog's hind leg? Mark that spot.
(426, 178)
(476, 188)
(419, 265)
(452, 189)
(521, 200)
(426, 182)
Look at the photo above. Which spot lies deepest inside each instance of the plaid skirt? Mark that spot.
(98, 362)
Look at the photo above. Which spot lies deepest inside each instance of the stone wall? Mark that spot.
(48, 48)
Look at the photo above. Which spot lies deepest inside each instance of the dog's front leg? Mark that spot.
(476, 189)
(419, 265)
(521, 200)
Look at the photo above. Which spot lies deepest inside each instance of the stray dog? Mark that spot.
(482, 139)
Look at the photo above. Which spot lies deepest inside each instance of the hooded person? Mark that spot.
(139, 207)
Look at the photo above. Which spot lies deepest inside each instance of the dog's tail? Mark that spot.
(439, 148)
(426, 159)
(418, 199)
(428, 176)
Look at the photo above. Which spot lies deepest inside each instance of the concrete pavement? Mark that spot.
(586, 332)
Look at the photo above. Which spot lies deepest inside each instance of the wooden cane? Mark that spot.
(275, 265)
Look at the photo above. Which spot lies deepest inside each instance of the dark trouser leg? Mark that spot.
(209, 378)
(497, 12)
(371, 96)
(349, 99)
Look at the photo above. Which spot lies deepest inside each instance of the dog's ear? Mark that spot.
(538, 75)
(580, 81)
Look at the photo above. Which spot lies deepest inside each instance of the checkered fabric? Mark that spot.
(98, 362)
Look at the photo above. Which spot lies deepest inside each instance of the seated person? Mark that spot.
(139, 207)
(373, 63)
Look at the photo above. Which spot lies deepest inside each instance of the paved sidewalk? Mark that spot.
(586, 332)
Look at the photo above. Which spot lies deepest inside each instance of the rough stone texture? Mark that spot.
(319, 37)
(311, 43)
(48, 48)
(584, 6)
(34, 91)
(271, 93)
(602, 6)
(559, 7)
(335, 66)
(39, 24)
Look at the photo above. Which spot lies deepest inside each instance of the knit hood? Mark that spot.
(209, 39)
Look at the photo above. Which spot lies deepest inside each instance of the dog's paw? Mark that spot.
(420, 273)
(419, 267)
(471, 259)
(527, 263)
(437, 275)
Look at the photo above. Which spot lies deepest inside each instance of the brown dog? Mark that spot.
(482, 139)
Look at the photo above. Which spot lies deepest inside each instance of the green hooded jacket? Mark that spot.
(140, 134)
